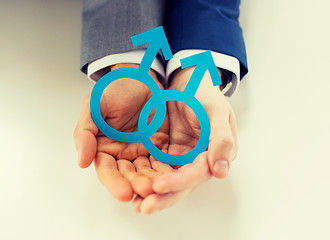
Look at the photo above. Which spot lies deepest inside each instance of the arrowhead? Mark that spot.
(155, 36)
(205, 61)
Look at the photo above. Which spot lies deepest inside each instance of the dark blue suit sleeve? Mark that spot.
(206, 24)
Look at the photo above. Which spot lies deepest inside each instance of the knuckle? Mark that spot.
(227, 141)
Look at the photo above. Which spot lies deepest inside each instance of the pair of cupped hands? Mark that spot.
(128, 171)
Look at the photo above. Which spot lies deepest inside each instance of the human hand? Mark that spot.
(121, 167)
(123, 178)
(184, 133)
(173, 186)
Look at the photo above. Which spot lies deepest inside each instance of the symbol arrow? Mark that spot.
(157, 40)
(203, 62)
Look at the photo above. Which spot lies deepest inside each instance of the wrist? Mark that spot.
(152, 73)
(180, 77)
(123, 65)
(100, 73)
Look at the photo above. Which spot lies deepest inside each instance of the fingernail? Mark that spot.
(221, 168)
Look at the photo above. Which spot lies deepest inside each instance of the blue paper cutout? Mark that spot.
(203, 62)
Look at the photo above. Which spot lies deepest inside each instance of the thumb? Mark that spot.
(221, 149)
(84, 136)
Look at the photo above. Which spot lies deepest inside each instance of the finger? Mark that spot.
(221, 147)
(159, 166)
(109, 146)
(187, 177)
(156, 202)
(161, 139)
(121, 150)
(233, 126)
(132, 151)
(84, 136)
(136, 204)
(112, 179)
(140, 184)
(142, 166)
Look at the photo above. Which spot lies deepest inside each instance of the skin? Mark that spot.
(127, 170)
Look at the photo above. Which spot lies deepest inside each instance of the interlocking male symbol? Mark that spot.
(203, 62)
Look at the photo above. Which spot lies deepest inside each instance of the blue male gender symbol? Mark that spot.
(157, 40)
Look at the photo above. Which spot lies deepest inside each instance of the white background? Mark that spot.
(277, 189)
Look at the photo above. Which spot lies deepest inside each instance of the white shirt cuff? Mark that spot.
(221, 61)
(134, 56)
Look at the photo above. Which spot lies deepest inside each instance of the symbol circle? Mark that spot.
(198, 109)
(95, 101)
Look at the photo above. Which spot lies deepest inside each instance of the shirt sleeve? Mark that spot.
(222, 61)
(134, 56)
